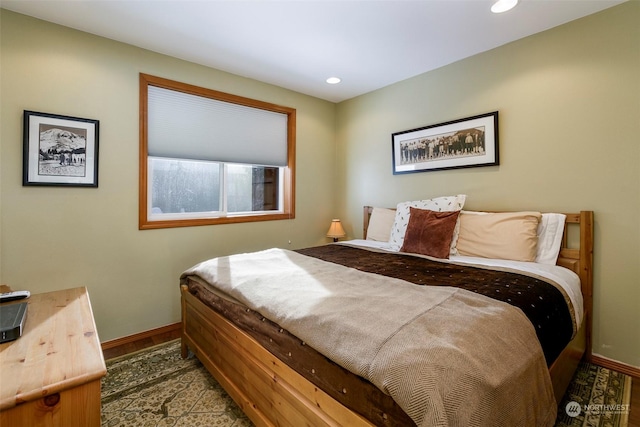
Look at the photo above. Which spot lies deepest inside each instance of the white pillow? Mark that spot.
(550, 232)
(380, 224)
(438, 204)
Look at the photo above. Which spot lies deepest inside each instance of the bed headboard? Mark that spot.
(578, 259)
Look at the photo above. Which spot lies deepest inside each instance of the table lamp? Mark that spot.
(335, 230)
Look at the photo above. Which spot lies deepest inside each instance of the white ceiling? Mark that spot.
(297, 44)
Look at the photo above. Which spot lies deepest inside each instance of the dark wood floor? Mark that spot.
(634, 416)
(130, 347)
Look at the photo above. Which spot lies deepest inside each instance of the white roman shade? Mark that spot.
(185, 126)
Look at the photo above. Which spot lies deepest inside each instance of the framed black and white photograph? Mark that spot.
(463, 143)
(60, 150)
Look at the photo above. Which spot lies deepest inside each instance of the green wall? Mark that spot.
(569, 103)
(55, 238)
(569, 112)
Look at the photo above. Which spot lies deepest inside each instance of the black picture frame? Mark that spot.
(59, 150)
(462, 143)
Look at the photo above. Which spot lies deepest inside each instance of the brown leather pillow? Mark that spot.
(429, 232)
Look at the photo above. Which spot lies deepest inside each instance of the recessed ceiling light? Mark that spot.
(503, 5)
(333, 80)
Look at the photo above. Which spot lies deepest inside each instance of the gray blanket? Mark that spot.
(448, 357)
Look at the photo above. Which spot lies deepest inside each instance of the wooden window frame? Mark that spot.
(288, 211)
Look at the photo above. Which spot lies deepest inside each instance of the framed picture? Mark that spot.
(60, 150)
(463, 143)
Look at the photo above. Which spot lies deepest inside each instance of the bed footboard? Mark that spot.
(565, 365)
(267, 390)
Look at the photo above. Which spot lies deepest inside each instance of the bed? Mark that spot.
(278, 378)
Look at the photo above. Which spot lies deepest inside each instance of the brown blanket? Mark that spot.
(353, 391)
(447, 356)
(545, 303)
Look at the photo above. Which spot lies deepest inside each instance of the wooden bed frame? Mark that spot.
(273, 394)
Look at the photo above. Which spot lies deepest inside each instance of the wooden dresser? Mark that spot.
(51, 375)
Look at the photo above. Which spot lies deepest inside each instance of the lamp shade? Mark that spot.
(335, 230)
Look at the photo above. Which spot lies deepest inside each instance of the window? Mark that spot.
(208, 157)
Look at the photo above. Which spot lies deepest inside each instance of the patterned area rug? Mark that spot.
(596, 397)
(156, 387)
